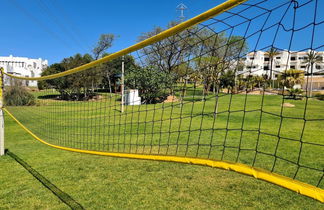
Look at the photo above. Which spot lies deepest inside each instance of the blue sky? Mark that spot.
(54, 29)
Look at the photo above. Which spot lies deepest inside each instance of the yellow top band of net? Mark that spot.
(167, 33)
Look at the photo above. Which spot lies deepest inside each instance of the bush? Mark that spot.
(295, 93)
(18, 96)
(320, 96)
(153, 84)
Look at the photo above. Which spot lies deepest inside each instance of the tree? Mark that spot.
(105, 42)
(83, 84)
(236, 47)
(219, 54)
(240, 82)
(75, 86)
(87, 80)
(195, 77)
(183, 72)
(168, 53)
(151, 82)
(290, 78)
(113, 67)
(272, 53)
(227, 80)
(312, 58)
(251, 82)
(209, 68)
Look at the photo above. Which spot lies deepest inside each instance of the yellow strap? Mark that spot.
(167, 33)
(297, 186)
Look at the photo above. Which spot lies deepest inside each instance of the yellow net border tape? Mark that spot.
(286, 182)
(167, 33)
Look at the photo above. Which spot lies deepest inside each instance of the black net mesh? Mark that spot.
(244, 86)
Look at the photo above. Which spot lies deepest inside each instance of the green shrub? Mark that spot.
(18, 96)
(320, 96)
(153, 84)
(295, 93)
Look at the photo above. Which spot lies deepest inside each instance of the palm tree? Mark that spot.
(272, 52)
(311, 59)
(290, 78)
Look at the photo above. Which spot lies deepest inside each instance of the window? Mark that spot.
(277, 66)
(266, 67)
(34, 65)
(266, 59)
(303, 67)
(251, 58)
(292, 58)
(278, 57)
(318, 67)
(292, 67)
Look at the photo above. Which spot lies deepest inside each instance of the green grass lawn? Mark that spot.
(98, 182)
(276, 139)
(250, 129)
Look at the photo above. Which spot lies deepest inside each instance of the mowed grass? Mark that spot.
(98, 182)
(252, 129)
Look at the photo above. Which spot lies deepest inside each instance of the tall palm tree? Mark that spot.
(290, 78)
(311, 59)
(272, 52)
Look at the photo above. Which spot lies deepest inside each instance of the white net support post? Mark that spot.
(2, 149)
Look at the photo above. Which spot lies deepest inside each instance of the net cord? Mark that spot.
(286, 182)
(165, 34)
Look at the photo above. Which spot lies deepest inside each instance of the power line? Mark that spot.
(69, 22)
(40, 24)
(49, 13)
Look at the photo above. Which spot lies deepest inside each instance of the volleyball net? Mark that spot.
(237, 87)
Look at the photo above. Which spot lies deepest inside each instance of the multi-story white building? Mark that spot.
(258, 63)
(23, 66)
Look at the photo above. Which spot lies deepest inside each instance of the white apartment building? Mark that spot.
(258, 63)
(23, 66)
